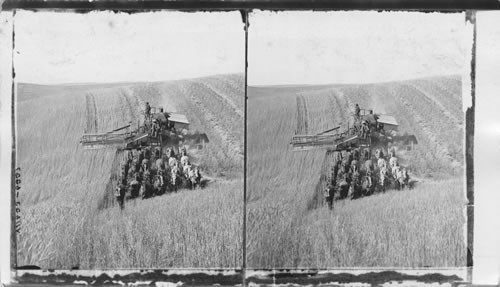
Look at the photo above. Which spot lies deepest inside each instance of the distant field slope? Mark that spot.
(64, 184)
(282, 232)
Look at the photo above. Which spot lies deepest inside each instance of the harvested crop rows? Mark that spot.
(220, 91)
(69, 215)
(288, 222)
(91, 114)
(302, 115)
(220, 117)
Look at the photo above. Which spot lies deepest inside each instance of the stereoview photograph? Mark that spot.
(129, 139)
(356, 140)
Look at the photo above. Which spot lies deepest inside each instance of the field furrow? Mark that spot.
(451, 86)
(217, 124)
(131, 112)
(436, 125)
(358, 94)
(341, 107)
(444, 106)
(338, 112)
(224, 92)
(424, 133)
(91, 114)
(302, 117)
(406, 127)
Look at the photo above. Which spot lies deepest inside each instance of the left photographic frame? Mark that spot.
(128, 136)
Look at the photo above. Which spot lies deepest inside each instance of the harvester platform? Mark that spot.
(109, 139)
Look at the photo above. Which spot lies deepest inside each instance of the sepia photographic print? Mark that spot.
(356, 140)
(129, 139)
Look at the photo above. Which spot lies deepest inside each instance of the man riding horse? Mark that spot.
(384, 179)
(402, 178)
(120, 190)
(328, 194)
(174, 178)
(184, 158)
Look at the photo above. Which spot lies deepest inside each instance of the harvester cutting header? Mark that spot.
(367, 131)
(159, 129)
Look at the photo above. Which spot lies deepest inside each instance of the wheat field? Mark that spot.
(416, 228)
(63, 224)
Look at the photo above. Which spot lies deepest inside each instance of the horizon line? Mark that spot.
(123, 82)
(353, 83)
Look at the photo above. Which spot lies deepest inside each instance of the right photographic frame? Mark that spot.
(356, 140)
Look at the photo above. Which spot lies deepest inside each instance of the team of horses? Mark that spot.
(146, 173)
(355, 175)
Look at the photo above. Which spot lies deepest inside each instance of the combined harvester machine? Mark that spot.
(173, 131)
(368, 131)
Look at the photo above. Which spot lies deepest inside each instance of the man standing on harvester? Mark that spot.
(147, 112)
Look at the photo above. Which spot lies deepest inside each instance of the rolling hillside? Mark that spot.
(63, 185)
(420, 227)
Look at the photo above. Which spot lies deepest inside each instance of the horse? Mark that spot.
(354, 165)
(145, 165)
(170, 153)
(366, 154)
(392, 153)
(123, 173)
(159, 164)
(195, 177)
(329, 193)
(132, 170)
(403, 179)
(346, 163)
(368, 165)
(172, 162)
(379, 154)
(184, 160)
(381, 163)
(343, 187)
(384, 179)
(124, 166)
(393, 161)
(345, 167)
(158, 185)
(141, 156)
(175, 180)
(120, 191)
(350, 157)
(356, 154)
(134, 188)
(186, 169)
(355, 187)
(333, 174)
(147, 153)
(394, 171)
(183, 151)
(367, 186)
(146, 187)
(153, 159)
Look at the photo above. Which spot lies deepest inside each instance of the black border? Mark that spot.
(244, 15)
(197, 5)
(470, 17)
